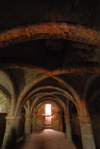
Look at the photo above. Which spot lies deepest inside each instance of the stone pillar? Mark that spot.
(68, 128)
(34, 122)
(10, 135)
(86, 133)
(61, 124)
(27, 129)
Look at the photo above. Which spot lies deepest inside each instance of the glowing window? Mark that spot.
(48, 109)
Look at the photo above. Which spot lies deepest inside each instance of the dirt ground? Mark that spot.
(47, 139)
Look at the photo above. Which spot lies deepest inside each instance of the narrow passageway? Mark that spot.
(47, 139)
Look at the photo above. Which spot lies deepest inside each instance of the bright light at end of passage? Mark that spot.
(48, 109)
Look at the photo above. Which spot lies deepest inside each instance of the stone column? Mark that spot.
(10, 135)
(68, 128)
(27, 129)
(86, 133)
(61, 124)
(34, 122)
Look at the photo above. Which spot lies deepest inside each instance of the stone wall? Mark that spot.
(56, 122)
(20, 132)
(40, 123)
(2, 126)
(75, 124)
(96, 128)
(95, 118)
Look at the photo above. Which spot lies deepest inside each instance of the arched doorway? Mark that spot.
(49, 116)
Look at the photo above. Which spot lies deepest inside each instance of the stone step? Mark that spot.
(48, 125)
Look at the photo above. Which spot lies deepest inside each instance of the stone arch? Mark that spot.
(51, 100)
(41, 94)
(70, 88)
(26, 108)
(60, 91)
(82, 111)
(88, 84)
(86, 67)
(12, 83)
(93, 96)
(54, 98)
(40, 78)
(48, 102)
(67, 31)
(81, 106)
(50, 87)
(74, 93)
(6, 94)
(37, 79)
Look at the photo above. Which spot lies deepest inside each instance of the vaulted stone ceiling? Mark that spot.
(50, 52)
(73, 56)
(13, 13)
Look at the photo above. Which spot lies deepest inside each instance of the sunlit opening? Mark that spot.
(48, 109)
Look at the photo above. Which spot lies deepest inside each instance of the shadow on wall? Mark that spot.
(76, 135)
(21, 125)
(63, 122)
(95, 118)
(94, 110)
(2, 126)
(11, 141)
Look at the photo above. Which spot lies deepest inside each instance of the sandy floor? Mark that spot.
(47, 139)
